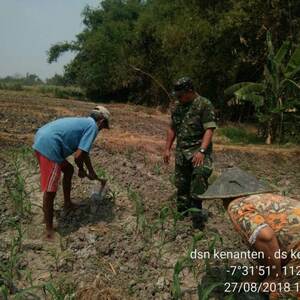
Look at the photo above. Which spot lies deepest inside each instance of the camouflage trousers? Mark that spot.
(191, 181)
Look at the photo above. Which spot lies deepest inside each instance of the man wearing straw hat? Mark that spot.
(268, 223)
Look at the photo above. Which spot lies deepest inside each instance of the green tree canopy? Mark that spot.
(217, 43)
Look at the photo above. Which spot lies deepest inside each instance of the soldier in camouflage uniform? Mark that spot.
(192, 125)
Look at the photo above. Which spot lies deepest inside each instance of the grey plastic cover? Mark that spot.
(234, 182)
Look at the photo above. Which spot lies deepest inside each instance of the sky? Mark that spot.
(28, 28)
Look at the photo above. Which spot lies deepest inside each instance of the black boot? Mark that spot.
(198, 222)
(198, 218)
(183, 204)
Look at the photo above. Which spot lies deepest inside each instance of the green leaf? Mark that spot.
(205, 293)
(270, 45)
(252, 88)
(4, 292)
(294, 61)
(281, 53)
(257, 100)
(232, 89)
(289, 83)
(293, 73)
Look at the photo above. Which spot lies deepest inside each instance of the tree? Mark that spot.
(57, 79)
(275, 94)
(217, 43)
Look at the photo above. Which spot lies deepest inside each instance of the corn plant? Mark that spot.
(129, 153)
(57, 293)
(196, 238)
(10, 269)
(56, 257)
(17, 191)
(113, 195)
(176, 217)
(4, 292)
(141, 221)
(27, 293)
(172, 178)
(59, 256)
(204, 294)
(214, 276)
(101, 173)
(163, 215)
(180, 265)
(145, 159)
(179, 216)
(157, 169)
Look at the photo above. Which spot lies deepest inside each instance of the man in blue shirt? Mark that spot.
(57, 140)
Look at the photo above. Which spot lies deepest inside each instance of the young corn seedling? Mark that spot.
(163, 215)
(157, 169)
(27, 293)
(176, 217)
(129, 153)
(10, 269)
(4, 292)
(205, 289)
(17, 192)
(205, 293)
(101, 173)
(113, 195)
(159, 224)
(56, 293)
(56, 257)
(179, 216)
(180, 265)
(172, 178)
(141, 221)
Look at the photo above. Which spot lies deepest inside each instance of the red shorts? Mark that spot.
(50, 172)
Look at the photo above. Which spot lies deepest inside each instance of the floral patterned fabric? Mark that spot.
(282, 214)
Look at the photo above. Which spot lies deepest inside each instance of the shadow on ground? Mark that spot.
(86, 214)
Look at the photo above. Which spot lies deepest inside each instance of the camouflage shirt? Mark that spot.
(190, 121)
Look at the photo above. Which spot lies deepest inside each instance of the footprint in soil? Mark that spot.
(71, 221)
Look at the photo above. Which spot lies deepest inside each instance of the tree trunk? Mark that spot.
(269, 133)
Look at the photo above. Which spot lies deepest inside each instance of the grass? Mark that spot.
(11, 86)
(60, 91)
(65, 92)
(240, 135)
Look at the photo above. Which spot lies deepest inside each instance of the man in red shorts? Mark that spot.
(57, 140)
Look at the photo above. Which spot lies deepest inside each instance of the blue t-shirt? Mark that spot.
(59, 139)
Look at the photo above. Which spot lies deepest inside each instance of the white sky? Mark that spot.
(28, 28)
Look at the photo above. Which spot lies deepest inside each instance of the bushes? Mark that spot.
(62, 92)
(48, 90)
(11, 86)
(240, 135)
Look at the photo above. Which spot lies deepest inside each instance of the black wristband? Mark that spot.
(202, 150)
